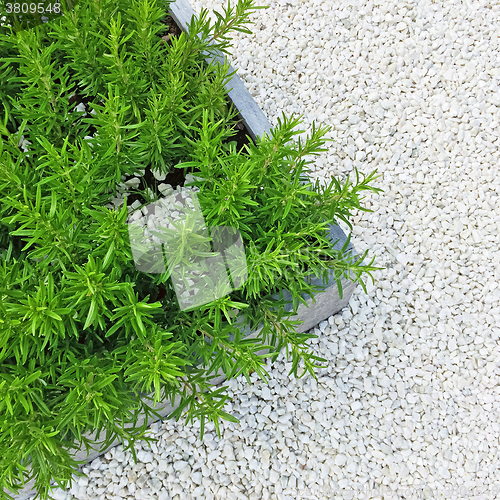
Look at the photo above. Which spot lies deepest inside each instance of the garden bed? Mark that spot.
(250, 124)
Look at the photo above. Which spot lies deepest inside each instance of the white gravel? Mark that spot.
(408, 407)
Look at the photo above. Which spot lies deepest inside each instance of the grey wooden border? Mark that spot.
(325, 304)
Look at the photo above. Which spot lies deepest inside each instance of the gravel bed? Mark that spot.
(408, 406)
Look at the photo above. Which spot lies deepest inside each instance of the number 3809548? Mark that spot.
(32, 8)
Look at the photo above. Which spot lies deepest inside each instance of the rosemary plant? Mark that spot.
(83, 333)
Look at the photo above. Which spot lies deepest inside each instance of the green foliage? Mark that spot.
(83, 333)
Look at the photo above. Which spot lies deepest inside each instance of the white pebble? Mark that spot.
(180, 464)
